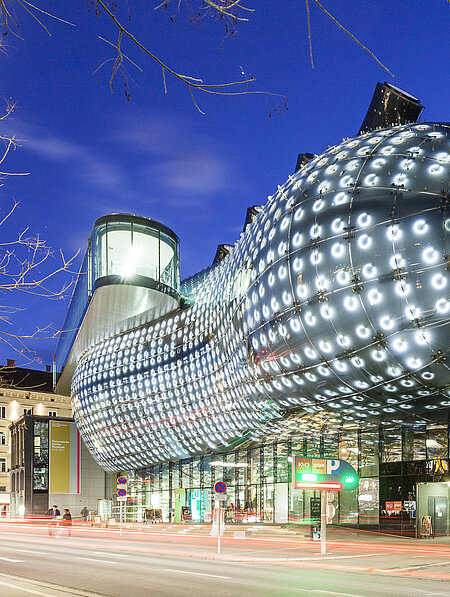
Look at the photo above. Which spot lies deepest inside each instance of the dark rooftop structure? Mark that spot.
(22, 378)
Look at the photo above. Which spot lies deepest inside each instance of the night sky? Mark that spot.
(90, 152)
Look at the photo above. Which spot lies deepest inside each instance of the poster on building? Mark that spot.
(64, 458)
(426, 528)
(186, 513)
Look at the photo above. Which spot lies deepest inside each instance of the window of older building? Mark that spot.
(2, 465)
(52, 413)
(2, 412)
(2, 438)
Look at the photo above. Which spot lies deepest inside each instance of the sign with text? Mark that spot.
(321, 473)
(64, 457)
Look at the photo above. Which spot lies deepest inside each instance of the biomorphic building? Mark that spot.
(322, 332)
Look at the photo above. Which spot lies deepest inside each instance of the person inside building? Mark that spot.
(84, 513)
(67, 521)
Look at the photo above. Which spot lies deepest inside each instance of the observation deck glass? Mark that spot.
(127, 248)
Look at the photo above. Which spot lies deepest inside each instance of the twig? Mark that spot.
(309, 33)
(352, 36)
(191, 82)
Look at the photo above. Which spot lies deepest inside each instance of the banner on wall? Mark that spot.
(64, 458)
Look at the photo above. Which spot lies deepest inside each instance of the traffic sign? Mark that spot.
(220, 487)
(121, 498)
(321, 473)
(122, 480)
(122, 493)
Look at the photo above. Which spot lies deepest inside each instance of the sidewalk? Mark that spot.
(293, 531)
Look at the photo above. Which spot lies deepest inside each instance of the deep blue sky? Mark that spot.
(90, 152)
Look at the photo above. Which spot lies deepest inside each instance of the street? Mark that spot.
(166, 562)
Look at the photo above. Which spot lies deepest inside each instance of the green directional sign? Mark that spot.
(319, 473)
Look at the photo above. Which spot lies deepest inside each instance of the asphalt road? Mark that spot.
(155, 564)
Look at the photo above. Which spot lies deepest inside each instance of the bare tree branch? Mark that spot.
(192, 83)
(336, 22)
(26, 267)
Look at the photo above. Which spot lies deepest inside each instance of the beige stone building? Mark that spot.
(24, 391)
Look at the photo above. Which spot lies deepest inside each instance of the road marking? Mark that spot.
(116, 555)
(96, 560)
(10, 560)
(33, 551)
(366, 555)
(17, 588)
(196, 573)
(321, 591)
(413, 567)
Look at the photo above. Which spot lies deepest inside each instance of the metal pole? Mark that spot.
(120, 517)
(218, 525)
(323, 521)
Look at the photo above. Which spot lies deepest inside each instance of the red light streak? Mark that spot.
(300, 485)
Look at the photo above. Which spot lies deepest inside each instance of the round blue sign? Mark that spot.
(122, 480)
(121, 492)
(220, 487)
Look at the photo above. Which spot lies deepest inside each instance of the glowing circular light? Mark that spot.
(422, 337)
(443, 158)
(394, 232)
(387, 150)
(363, 331)
(337, 250)
(341, 198)
(430, 255)
(371, 180)
(399, 345)
(386, 323)
(310, 353)
(351, 303)
(420, 226)
(342, 277)
(316, 257)
(378, 355)
(427, 375)
(378, 163)
(438, 281)
(364, 241)
(337, 225)
(369, 271)
(436, 169)
(414, 363)
(375, 296)
(318, 205)
(310, 319)
(443, 306)
(364, 220)
(402, 288)
(340, 366)
(326, 312)
(412, 312)
(298, 264)
(346, 181)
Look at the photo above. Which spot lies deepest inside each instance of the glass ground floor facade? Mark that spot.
(403, 469)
